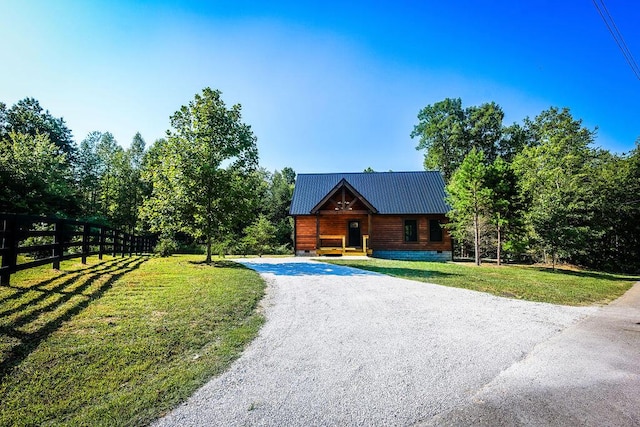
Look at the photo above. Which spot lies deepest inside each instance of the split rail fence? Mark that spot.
(45, 240)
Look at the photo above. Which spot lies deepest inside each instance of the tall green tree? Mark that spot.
(260, 235)
(89, 170)
(4, 124)
(469, 197)
(35, 177)
(626, 239)
(211, 154)
(615, 229)
(447, 132)
(515, 138)
(278, 203)
(161, 209)
(29, 118)
(555, 176)
(441, 133)
(109, 153)
(484, 129)
(506, 206)
(127, 187)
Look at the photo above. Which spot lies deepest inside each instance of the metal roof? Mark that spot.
(389, 192)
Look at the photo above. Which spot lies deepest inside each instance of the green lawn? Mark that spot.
(119, 342)
(567, 287)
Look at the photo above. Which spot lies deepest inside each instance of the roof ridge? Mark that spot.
(365, 173)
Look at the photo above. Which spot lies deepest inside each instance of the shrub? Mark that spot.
(166, 246)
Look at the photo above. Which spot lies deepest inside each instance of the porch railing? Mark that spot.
(341, 249)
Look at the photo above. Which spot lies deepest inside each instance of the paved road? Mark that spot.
(346, 347)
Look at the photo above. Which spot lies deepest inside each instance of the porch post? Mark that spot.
(317, 231)
(370, 233)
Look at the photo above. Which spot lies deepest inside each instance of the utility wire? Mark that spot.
(635, 68)
(617, 37)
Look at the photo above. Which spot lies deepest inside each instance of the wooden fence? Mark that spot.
(50, 240)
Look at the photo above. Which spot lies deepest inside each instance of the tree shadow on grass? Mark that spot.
(74, 295)
(41, 286)
(220, 263)
(590, 274)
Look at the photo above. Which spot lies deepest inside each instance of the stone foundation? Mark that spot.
(414, 255)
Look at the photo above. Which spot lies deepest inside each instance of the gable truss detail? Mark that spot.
(343, 201)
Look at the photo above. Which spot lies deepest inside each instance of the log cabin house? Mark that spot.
(394, 215)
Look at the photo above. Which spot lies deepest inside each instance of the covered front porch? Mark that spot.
(336, 244)
(343, 222)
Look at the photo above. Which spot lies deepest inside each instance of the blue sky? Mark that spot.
(326, 86)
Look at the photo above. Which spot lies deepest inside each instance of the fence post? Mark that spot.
(85, 242)
(115, 242)
(58, 237)
(9, 258)
(102, 236)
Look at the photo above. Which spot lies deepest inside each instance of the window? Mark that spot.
(435, 230)
(410, 230)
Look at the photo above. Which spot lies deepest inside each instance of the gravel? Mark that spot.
(347, 347)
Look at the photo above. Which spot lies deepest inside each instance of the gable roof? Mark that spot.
(344, 184)
(389, 192)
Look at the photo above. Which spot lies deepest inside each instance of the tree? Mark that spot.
(160, 211)
(614, 242)
(369, 169)
(28, 117)
(505, 206)
(448, 133)
(554, 175)
(109, 155)
(132, 195)
(4, 124)
(278, 202)
(88, 172)
(35, 177)
(260, 235)
(127, 188)
(484, 129)
(441, 131)
(210, 155)
(514, 139)
(468, 197)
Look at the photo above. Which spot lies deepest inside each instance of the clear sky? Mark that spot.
(326, 86)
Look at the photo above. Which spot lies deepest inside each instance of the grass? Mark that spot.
(563, 286)
(121, 341)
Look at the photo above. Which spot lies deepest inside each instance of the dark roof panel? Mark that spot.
(388, 192)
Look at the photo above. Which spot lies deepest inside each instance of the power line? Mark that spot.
(617, 37)
(635, 68)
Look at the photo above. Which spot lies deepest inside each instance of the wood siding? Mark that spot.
(387, 231)
(305, 238)
(388, 234)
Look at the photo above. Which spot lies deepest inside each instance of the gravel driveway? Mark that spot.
(347, 347)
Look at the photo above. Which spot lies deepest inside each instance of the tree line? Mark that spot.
(201, 184)
(532, 191)
(539, 190)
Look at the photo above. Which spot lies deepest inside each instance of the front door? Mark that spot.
(354, 234)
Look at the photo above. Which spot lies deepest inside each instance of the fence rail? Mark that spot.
(51, 240)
